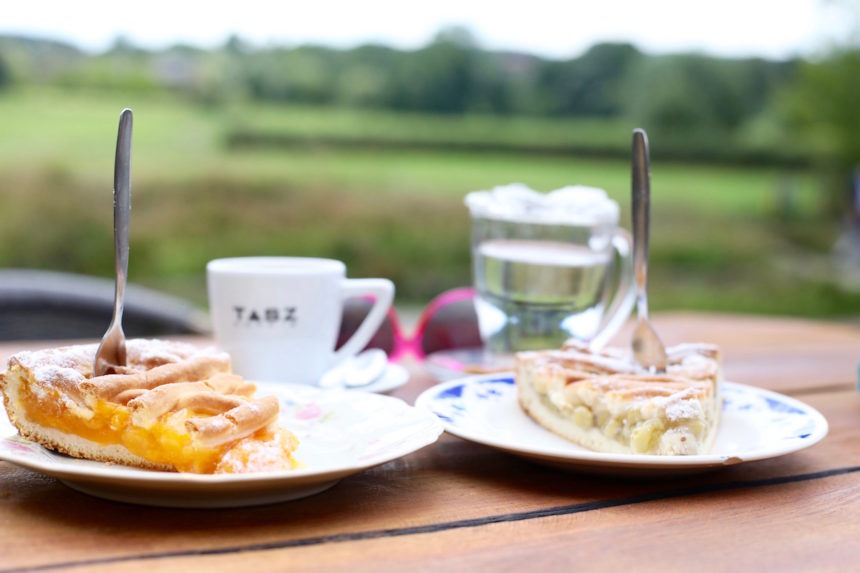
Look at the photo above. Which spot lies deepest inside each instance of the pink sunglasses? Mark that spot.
(449, 321)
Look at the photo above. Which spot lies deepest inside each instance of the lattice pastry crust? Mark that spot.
(174, 407)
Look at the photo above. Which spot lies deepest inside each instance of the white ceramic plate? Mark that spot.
(757, 424)
(340, 433)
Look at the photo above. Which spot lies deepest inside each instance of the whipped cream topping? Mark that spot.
(574, 204)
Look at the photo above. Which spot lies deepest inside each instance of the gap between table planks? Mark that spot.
(450, 484)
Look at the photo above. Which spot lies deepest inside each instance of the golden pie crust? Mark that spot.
(605, 402)
(174, 407)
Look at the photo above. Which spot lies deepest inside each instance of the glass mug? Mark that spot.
(543, 276)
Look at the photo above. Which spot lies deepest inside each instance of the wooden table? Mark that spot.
(460, 506)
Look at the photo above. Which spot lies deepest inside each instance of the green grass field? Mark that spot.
(718, 235)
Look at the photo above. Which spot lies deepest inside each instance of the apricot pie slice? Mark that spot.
(174, 407)
(605, 402)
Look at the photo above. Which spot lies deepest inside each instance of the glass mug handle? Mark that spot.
(625, 296)
(382, 292)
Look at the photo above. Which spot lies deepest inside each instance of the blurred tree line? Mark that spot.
(687, 100)
(450, 75)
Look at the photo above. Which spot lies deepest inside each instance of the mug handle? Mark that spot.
(382, 292)
(622, 302)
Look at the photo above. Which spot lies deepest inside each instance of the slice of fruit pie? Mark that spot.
(174, 407)
(605, 402)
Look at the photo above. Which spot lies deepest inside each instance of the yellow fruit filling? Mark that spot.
(166, 441)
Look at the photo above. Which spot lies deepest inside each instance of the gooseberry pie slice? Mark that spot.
(174, 407)
(605, 402)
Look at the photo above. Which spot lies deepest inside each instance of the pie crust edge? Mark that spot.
(63, 442)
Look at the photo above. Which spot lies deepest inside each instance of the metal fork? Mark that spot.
(111, 352)
(648, 350)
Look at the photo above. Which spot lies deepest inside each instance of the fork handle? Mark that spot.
(122, 207)
(641, 190)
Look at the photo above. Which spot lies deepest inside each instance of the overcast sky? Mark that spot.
(556, 28)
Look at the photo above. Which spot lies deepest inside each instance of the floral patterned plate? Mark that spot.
(340, 433)
(756, 424)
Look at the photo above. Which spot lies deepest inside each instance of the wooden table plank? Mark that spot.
(455, 482)
(44, 523)
(808, 526)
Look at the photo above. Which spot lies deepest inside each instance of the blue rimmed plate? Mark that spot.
(756, 424)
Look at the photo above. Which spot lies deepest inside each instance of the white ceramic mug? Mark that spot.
(279, 317)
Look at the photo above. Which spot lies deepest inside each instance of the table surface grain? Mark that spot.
(460, 506)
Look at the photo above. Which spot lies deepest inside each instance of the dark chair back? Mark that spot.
(43, 305)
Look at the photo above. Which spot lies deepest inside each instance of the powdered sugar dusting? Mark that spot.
(58, 373)
(690, 361)
(219, 423)
(680, 405)
(56, 376)
(78, 358)
(695, 366)
(66, 366)
(253, 455)
(146, 354)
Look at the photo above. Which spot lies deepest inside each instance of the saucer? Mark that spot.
(393, 378)
(340, 433)
(756, 424)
